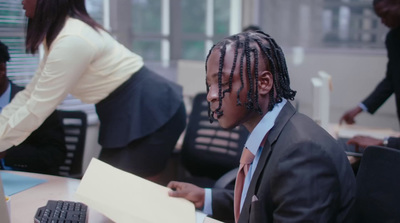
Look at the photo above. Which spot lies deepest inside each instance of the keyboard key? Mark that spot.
(61, 212)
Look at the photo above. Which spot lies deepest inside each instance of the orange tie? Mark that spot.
(245, 160)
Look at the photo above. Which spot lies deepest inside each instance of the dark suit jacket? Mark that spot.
(391, 83)
(302, 176)
(394, 142)
(43, 151)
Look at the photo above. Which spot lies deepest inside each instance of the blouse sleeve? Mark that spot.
(68, 58)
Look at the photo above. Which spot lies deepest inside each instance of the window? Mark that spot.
(169, 30)
(351, 24)
(322, 23)
(12, 33)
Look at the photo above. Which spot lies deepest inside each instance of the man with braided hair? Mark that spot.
(299, 173)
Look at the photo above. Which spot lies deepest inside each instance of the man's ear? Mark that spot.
(265, 82)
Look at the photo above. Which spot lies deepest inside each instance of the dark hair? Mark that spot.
(391, 2)
(258, 46)
(4, 55)
(251, 28)
(374, 2)
(50, 17)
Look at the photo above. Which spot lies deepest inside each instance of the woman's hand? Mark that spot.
(188, 191)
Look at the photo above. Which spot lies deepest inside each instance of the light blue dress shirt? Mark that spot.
(5, 100)
(363, 107)
(5, 97)
(253, 144)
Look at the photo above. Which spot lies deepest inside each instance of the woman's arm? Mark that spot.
(62, 67)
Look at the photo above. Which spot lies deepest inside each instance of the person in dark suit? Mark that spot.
(389, 12)
(299, 172)
(44, 150)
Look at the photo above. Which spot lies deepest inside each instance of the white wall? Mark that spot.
(354, 76)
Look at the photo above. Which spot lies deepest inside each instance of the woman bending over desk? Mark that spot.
(141, 113)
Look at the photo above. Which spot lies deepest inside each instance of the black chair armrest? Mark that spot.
(226, 179)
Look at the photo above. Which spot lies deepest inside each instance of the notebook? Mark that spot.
(4, 217)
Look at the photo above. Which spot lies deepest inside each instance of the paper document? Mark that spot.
(124, 197)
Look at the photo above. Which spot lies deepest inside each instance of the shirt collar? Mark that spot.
(267, 122)
(5, 97)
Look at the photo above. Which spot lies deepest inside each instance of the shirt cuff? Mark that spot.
(363, 107)
(207, 209)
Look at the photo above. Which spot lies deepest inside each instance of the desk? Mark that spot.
(24, 204)
(349, 131)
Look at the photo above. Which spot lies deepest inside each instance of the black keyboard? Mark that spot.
(62, 212)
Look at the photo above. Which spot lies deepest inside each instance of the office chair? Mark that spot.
(209, 151)
(378, 185)
(74, 125)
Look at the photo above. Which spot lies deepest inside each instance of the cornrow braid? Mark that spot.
(249, 103)
(221, 66)
(255, 45)
(255, 52)
(210, 114)
(233, 66)
(241, 78)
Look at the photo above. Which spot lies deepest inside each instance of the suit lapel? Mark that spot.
(287, 112)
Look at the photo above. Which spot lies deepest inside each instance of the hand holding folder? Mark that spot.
(124, 197)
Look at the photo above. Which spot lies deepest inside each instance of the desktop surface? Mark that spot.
(25, 204)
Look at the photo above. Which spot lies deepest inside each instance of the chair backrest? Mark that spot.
(378, 185)
(208, 150)
(74, 125)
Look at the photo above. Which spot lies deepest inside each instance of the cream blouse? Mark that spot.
(86, 63)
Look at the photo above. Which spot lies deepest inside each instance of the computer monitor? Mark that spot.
(4, 217)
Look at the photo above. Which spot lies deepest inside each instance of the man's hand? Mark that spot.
(349, 116)
(364, 141)
(188, 191)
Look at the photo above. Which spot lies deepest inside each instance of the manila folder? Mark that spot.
(124, 197)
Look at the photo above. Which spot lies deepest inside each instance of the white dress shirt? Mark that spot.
(86, 63)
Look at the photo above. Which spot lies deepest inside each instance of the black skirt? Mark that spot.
(137, 108)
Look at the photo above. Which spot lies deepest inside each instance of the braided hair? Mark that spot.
(255, 45)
